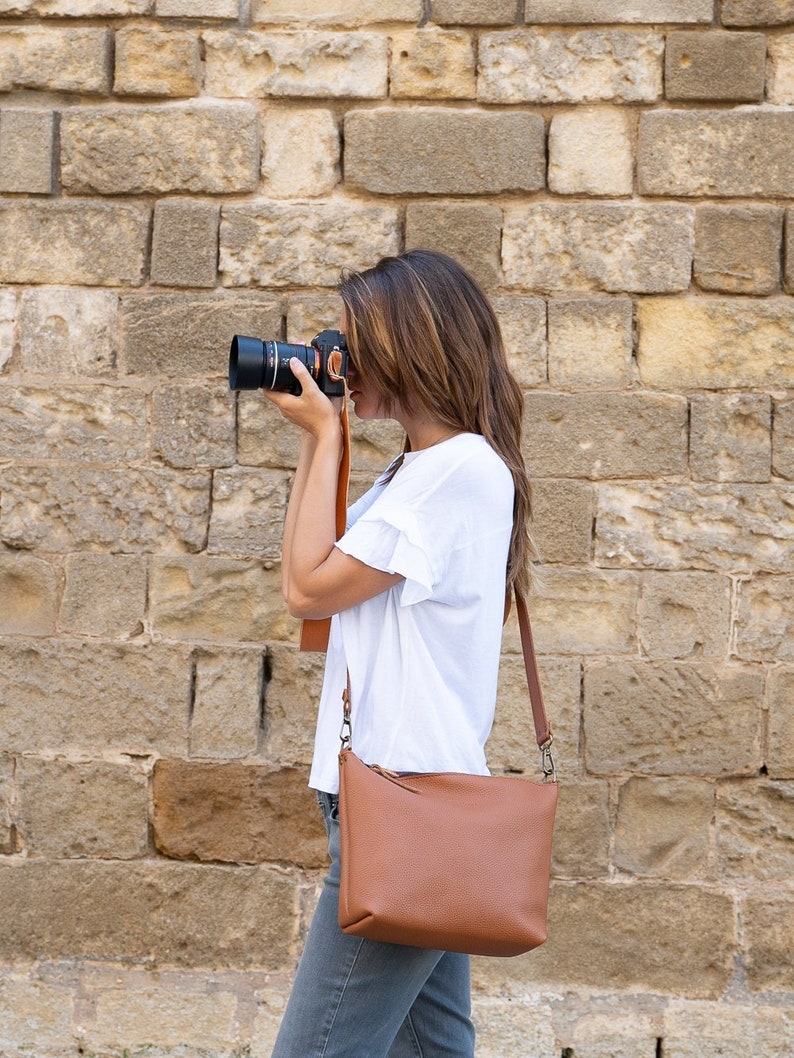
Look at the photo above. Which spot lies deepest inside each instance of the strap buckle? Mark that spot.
(547, 761)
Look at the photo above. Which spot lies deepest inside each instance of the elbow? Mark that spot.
(304, 606)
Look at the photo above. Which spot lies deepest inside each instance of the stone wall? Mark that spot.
(621, 178)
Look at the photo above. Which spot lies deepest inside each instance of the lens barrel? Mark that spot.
(254, 364)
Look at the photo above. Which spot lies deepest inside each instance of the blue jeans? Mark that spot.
(355, 998)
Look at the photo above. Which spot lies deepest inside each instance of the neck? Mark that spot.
(426, 434)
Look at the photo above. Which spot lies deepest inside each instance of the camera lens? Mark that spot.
(254, 364)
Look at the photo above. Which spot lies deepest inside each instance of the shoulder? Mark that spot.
(463, 467)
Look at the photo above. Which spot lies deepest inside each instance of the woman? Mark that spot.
(417, 589)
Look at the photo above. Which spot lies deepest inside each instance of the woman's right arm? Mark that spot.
(308, 446)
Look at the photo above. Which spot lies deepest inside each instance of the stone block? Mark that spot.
(609, 1027)
(76, 8)
(304, 64)
(228, 690)
(768, 917)
(582, 612)
(684, 615)
(149, 912)
(755, 831)
(737, 248)
(8, 315)
(663, 826)
(102, 424)
(248, 510)
(780, 70)
(150, 62)
(185, 243)
(717, 66)
(518, 1026)
(609, 246)
(715, 343)
(264, 439)
(437, 151)
(94, 810)
(616, 950)
(215, 598)
(562, 520)
(431, 63)
(308, 314)
(26, 142)
(193, 425)
(219, 9)
(711, 527)
(765, 621)
(55, 59)
(522, 321)
(730, 437)
(312, 136)
(605, 435)
(273, 244)
(36, 1015)
(210, 148)
(780, 694)
(290, 708)
(581, 829)
(731, 1030)
(716, 153)
(89, 696)
(472, 12)
(188, 335)
(570, 66)
(237, 813)
(28, 595)
(591, 153)
(131, 510)
(469, 232)
(650, 11)
(8, 834)
(91, 243)
(783, 439)
(639, 717)
(788, 250)
(339, 12)
(757, 12)
(105, 595)
(159, 1020)
(590, 342)
(68, 331)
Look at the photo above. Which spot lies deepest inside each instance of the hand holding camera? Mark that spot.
(254, 364)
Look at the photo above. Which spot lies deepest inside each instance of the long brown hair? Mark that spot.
(421, 331)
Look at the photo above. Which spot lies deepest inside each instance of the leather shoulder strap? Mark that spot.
(542, 726)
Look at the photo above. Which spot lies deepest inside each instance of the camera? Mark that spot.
(254, 364)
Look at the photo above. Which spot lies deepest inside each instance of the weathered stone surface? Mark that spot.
(616, 947)
(51, 58)
(780, 70)
(755, 830)
(780, 695)
(311, 135)
(716, 153)
(26, 149)
(150, 62)
(562, 520)
(68, 331)
(432, 63)
(730, 437)
(304, 64)
(69, 810)
(639, 716)
(469, 232)
(248, 508)
(715, 343)
(605, 11)
(756, 12)
(590, 342)
(436, 150)
(663, 826)
(581, 829)
(554, 66)
(229, 687)
(765, 620)
(263, 438)
(581, 612)
(605, 435)
(105, 595)
(91, 243)
(28, 595)
(308, 314)
(522, 321)
(291, 697)
(35, 1014)
(150, 912)
(236, 813)
(607, 246)
(130, 510)
(723, 67)
(197, 8)
(783, 439)
(80, 423)
(684, 615)
(274, 244)
(339, 12)
(608, 1026)
(218, 599)
(8, 313)
(208, 147)
(737, 248)
(730, 528)
(8, 835)
(732, 1030)
(186, 335)
(520, 1025)
(70, 8)
(193, 426)
(94, 696)
(769, 920)
(185, 243)
(591, 153)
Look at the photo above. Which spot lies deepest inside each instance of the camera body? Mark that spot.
(257, 364)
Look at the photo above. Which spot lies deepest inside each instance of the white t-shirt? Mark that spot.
(424, 655)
